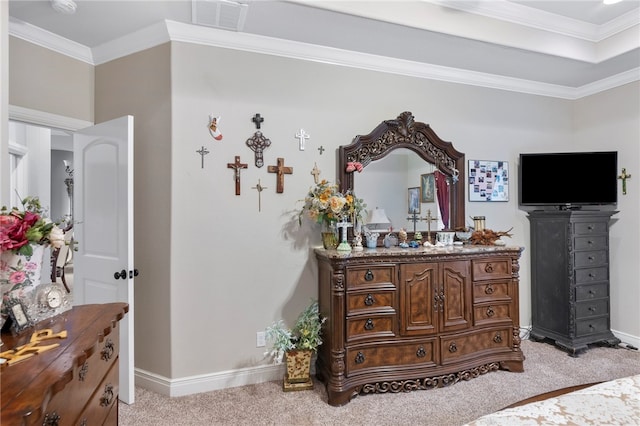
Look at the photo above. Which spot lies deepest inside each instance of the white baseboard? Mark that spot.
(627, 338)
(208, 382)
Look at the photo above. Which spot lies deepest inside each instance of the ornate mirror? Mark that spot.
(406, 146)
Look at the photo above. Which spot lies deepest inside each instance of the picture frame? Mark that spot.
(413, 200)
(488, 180)
(427, 188)
(19, 317)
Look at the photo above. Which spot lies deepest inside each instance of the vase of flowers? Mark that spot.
(24, 235)
(326, 205)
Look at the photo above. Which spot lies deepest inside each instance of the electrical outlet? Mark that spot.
(260, 339)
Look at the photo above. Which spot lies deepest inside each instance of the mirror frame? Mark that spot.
(405, 132)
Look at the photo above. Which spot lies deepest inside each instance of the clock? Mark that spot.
(52, 299)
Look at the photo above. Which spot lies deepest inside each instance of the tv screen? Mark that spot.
(568, 179)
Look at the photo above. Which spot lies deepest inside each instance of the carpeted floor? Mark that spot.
(546, 368)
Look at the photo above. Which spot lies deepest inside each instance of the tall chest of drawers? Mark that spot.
(75, 383)
(570, 278)
(407, 319)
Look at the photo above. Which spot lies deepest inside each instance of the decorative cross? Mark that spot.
(260, 188)
(428, 219)
(624, 176)
(302, 136)
(281, 170)
(237, 166)
(321, 149)
(257, 119)
(258, 143)
(414, 218)
(315, 172)
(202, 151)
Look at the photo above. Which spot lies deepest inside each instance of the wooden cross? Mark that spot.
(260, 188)
(321, 149)
(414, 218)
(237, 166)
(258, 143)
(302, 136)
(202, 151)
(315, 172)
(281, 170)
(257, 119)
(624, 176)
(428, 219)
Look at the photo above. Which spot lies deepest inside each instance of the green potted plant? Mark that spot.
(297, 346)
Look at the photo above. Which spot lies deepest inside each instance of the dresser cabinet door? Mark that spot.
(455, 297)
(419, 298)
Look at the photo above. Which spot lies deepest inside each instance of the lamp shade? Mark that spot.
(378, 219)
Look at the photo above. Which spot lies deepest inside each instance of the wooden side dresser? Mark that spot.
(406, 319)
(75, 383)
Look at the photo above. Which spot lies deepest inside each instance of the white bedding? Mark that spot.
(616, 402)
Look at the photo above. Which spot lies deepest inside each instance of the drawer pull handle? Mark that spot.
(368, 325)
(369, 300)
(421, 353)
(490, 311)
(108, 350)
(589, 242)
(591, 275)
(591, 292)
(590, 258)
(368, 276)
(82, 374)
(592, 309)
(497, 338)
(489, 289)
(51, 419)
(107, 396)
(453, 347)
(590, 227)
(488, 268)
(359, 358)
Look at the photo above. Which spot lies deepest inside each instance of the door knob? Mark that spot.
(122, 274)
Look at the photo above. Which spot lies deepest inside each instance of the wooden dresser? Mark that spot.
(406, 319)
(73, 384)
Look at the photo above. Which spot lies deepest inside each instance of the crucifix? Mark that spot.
(260, 188)
(281, 170)
(258, 143)
(202, 151)
(237, 166)
(257, 120)
(414, 218)
(428, 219)
(302, 136)
(315, 172)
(321, 149)
(624, 176)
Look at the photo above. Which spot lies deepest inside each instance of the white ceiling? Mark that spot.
(572, 44)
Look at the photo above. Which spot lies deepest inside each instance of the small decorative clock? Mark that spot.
(52, 299)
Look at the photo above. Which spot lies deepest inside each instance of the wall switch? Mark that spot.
(260, 339)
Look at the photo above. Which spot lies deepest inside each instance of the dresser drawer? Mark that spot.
(592, 308)
(491, 269)
(493, 313)
(591, 326)
(595, 242)
(593, 291)
(101, 403)
(457, 348)
(590, 275)
(588, 228)
(371, 326)
(373, 276)
(489, 291)
(364, 358)
(370, 301)
(590, 258)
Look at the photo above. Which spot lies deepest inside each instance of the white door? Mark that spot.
(103, 227)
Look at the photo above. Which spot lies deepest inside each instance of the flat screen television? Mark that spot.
(568, 180)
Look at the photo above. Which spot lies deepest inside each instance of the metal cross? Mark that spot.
(624, 176)
(257, 119)
(428, 219)
(414, 218)
(315, 172)
(237, 166)
(260, 188)
(202, 151)
(321, 149)
(281, 170)
(258, 143)
(302, 136)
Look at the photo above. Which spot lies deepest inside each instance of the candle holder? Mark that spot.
(344, 244)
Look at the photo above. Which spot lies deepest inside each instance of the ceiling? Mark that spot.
(574, 44)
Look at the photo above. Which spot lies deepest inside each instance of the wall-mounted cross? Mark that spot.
(202, 151)
(258, 120)
(624, 176)
(302, 136)
(315, 172)
(321, 149)
(258, 143)
(237, 166)
(281, 170)
(260, 188)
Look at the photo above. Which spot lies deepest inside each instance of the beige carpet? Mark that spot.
(546, 368)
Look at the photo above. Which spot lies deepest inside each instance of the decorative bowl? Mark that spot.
(463, 235)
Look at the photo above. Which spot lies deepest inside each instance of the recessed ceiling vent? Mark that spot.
(225, 14)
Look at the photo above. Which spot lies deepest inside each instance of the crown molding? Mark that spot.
(46, 119)
(137, 41)
(607, 83)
